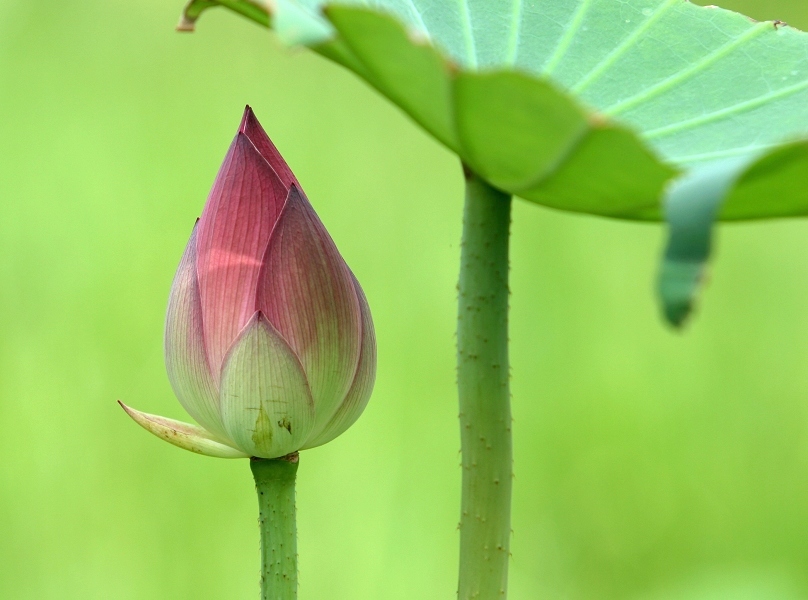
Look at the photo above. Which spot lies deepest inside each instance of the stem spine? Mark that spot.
(484, 393)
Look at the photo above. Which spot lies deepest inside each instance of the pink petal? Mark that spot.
(186, 359)
(234, 229)
(358, 395)
(253, 130)
(307, 293)
(266, 403)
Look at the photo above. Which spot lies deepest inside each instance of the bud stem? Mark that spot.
(482, 375)
(275, 484)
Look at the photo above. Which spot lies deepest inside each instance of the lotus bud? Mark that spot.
(269, 343)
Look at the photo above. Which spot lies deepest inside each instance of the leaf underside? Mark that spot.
(593, 106)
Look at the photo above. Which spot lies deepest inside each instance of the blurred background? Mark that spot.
(649, 465)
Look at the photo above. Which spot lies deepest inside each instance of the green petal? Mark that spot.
(186, 357)
(183, 435)
(358, 395)
(266, 403)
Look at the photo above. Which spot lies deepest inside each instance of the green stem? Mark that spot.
(275, 484)
(485, 414)
(255, 10)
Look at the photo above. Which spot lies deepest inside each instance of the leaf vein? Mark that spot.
(691, 71)
(417, 15)
(468, 33)
(693, 158)
(516, 31)
(729, 111)
(566, 41)
(624, 47)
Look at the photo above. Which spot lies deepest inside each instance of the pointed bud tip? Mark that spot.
(246, 119)
(251, 129)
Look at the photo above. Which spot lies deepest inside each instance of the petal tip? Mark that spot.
(128, 410)
(246, 119)
(251, 128)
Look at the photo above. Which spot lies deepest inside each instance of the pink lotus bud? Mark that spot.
(269, 341)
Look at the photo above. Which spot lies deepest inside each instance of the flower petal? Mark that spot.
(234, 229)
(183, 435)
(253, 130)
(266, 403)
(306, 291)
(357, 399)
(186, 359)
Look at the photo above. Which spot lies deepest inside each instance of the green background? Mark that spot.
(649, 465)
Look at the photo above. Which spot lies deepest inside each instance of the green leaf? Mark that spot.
(691, 207)
(520, 132)
(590, 105)
(686, 85)
(694, 200)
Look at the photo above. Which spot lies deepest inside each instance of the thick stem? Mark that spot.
(275, 484)
(485, 414)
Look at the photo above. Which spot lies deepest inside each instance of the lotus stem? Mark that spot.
(275, 484)
(483, 384)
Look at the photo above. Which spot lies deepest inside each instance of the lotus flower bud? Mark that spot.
(269, 342)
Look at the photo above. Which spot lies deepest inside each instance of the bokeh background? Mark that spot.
(649, 465)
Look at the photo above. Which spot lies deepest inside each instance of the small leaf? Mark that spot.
(183, 435)
(691, 206)
(732, 188)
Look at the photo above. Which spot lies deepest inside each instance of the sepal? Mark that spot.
(267, 408)
(183, 435)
